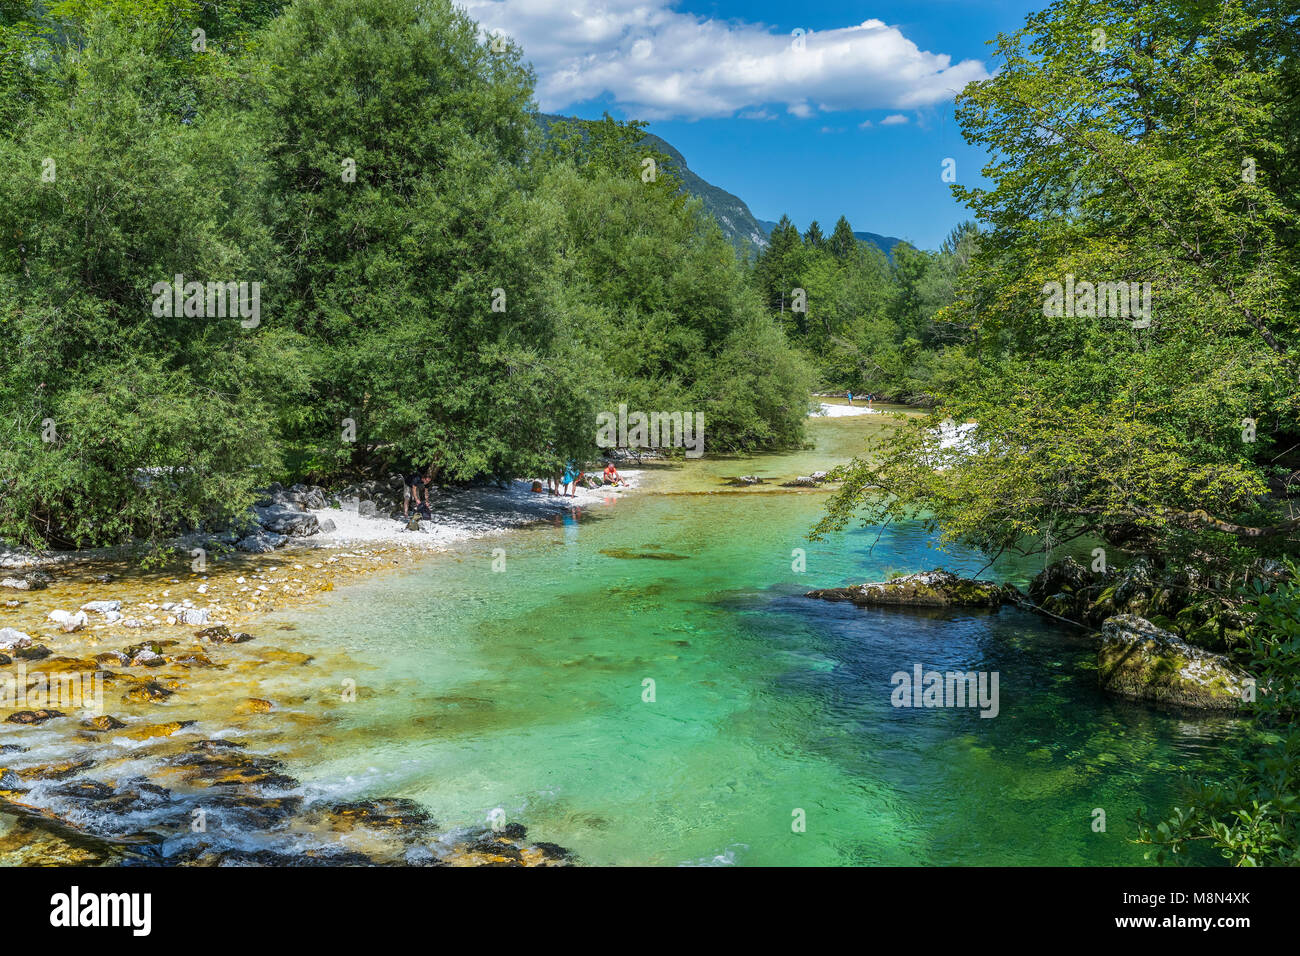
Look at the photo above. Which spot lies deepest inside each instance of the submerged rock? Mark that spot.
(33, 716)
(926, 589)
(148, 693)
(102, 722)
(626, 554)
(1140, 661)
(385, 813)
(220, 634)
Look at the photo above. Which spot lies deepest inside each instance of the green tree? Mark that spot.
(1122, 165)
(842, 242)
(398, 148)
(119, 422)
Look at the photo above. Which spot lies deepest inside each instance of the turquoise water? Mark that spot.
(524, 690)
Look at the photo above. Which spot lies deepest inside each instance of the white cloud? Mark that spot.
(894, 119)
(657, 63)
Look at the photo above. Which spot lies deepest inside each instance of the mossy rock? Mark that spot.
(1141, 661)
(927, 589)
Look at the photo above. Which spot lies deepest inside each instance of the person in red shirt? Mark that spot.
(612, 476)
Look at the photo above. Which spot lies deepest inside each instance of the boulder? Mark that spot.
(926, 589)
(327, 526)
(285, 519)
(1140, 661)
(1066, 575)
(261, 543)
(26, 581)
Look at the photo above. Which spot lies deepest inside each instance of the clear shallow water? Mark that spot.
(523, 690)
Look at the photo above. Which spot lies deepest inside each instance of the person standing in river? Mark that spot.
(572, 475)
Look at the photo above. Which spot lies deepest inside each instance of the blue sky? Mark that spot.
(854, 119)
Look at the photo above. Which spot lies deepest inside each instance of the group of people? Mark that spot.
(870, 399)
(565, 485)
(415, 486)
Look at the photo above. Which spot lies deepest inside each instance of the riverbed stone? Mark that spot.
(11, 639)
(193, 616)
(33, 716)
(67, 621)
(149, 692)
(102, 722)
(221, 634)
(936, 588)
(26, 581)
(101, 607)
(1141, 661)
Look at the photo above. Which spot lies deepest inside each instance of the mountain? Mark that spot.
(738, 224)
(883, 243)
(733, 216)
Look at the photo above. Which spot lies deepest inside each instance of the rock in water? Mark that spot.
(12, 638)
(69, 622)
(925, 589)
(193, 616)
(102, 607)
(1139, 660)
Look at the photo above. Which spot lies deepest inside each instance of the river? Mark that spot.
(767, 735)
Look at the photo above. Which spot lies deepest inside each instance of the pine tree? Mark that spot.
(813, 238)
(843, 242)
(778, 265)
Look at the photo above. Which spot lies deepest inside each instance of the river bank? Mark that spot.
(139, 704)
